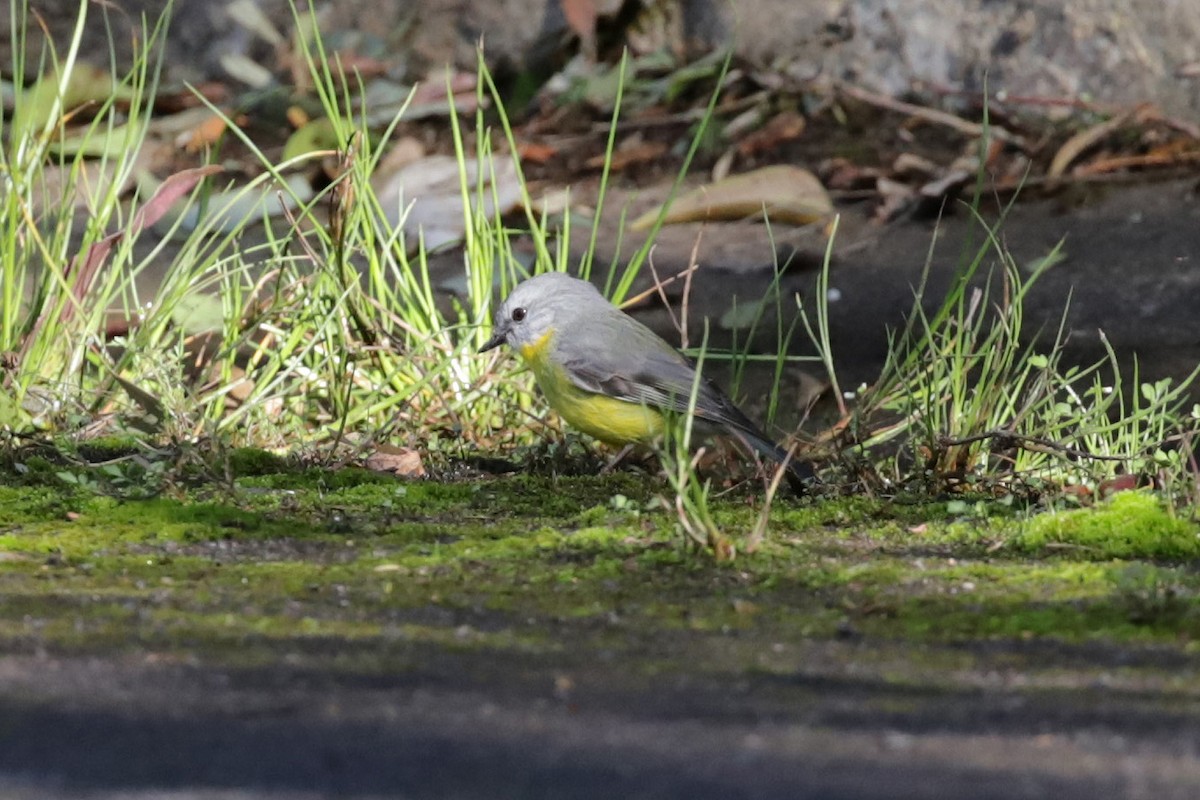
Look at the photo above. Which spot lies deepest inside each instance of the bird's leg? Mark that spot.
(617, 459)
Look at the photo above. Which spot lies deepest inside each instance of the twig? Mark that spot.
(657, 288)
(1109, 165)
(693, 265)
(755, 539)
(680, 322)
(1091, 178)
(1037, 441)
(932, 115)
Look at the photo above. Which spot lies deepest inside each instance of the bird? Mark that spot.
(609, 375)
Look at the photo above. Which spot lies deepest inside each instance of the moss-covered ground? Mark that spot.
(293, 629)
(366, 568)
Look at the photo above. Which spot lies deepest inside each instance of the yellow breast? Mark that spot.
(607, 418)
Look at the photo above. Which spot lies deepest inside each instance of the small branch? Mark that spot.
(931, 115)
(1035, 443)
(659, 285)
(662, 295)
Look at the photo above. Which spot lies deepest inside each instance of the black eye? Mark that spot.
(518, 314)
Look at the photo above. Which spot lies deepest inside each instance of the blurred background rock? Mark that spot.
(1121, 52)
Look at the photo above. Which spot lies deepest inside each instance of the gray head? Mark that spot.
(538, 305)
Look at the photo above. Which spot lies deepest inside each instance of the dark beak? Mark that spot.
(492, 343)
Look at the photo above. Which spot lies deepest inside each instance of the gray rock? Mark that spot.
(1121, 52)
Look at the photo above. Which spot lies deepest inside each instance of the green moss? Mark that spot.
(20, 504)
(317, 480)
(358, 569)
(1130, 525)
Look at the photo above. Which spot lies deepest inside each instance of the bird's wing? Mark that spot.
(616, 355)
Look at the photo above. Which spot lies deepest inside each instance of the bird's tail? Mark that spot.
(799, 472)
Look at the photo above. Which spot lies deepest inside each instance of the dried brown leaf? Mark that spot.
(536, 152)
(404, 462)
(627, 157)
(1075, 147)
(781, 128)
(785, 193)
(203, 135)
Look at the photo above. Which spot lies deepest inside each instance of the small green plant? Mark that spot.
(967, 402)
(972, 406)
(328, 331)
(56, 291)
(690, 503)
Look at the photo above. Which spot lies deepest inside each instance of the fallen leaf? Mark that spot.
(204, 134)
(82, 184)
(1081, 493)
(201, 352)
(535, 152)
(784, 193)
(458, 82)
(625, 157)
(169, 192)
(297, 116)
(600, 88)
(1074, 147)
(238, 386)
(407, 150)
(551, 201)
(195, 96)
(723, 166)
(101, 143)
(781, 128)
(402, 462)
